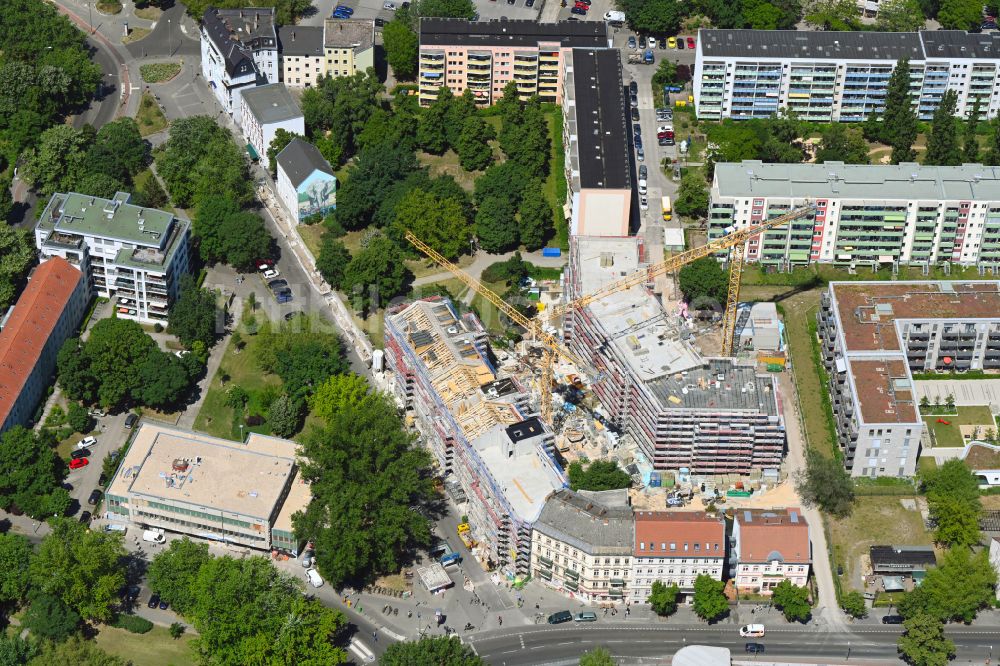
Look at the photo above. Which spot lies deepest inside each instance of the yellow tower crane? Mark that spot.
(554, 346)
(735, 242)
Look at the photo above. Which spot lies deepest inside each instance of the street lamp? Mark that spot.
(169, 40)
(848, 649)
(90, 16)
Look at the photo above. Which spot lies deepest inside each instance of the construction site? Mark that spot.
(613, 366)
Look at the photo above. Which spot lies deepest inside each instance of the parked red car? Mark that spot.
(690, 41)
(77, 463)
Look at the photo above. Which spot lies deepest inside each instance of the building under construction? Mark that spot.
(477, 425)
(711, 415)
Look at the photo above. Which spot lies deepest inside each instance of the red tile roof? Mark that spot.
(768, 534)
(31, 323)
(655, 531)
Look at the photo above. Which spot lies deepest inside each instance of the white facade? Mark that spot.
(675, 548)
(239, 50)
(770, 546)
(995, 559)
(266, 109)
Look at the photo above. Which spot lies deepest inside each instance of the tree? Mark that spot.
(78, 418)
(942, 144)
(992, 158)
(15, 650)
(194, 315)
(833, 15)
(473, 147)
(376, 274)
(401, 48)
(226, 234)
(923, 642)
(432, 126)
(957, 522)
(663, 598)
(121, 140)
(15, 557)
(703, 279)
(960, 14)
(173, 571)
(826, 484)
(505, 180)
(900, 16)
(48, 617)
(524, 136)
(970, 142)
(368, 182)
(17, 255)
(952, 479)
(460, 108)
(439, 223)
(842, 144)
(282, 138)
(792, 600)
(60, 160)
(31, 473)
(284, 416)
(446, 9)
(200, 161)
(597, 657)
(338, 393)
(761, 15)
(665, 75)
(656, 17)
(709, 601)
(366, 476)
(496, 226)
(535, 215)
(853, 604)
(692, 196)
(176, 630)
(80, 567)
(437, 650)
(333, 258)
(961, 585)
(76, 651)
(599, 475)
(899, 122)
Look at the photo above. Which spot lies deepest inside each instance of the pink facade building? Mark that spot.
(771, 545)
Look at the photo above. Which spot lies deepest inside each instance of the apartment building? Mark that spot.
(349, 46)
(582, 544)
(305, 180)
(239, 50)
(193, 484)
(484, 56)
(303, 62)
(130, 254)
(477, 424)
(866, 215)
(711, 415)
(874, 335)
(770, 546)
(674, 548)
(830, 76)
(45, 315)
(597, 137)
(266, 109)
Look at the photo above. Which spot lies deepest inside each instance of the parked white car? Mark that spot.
(388, 5)
(86, 442)
(271, 273)
(314, 578)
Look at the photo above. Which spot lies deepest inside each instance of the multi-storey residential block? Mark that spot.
(133, 254)
(714, 416)
(189, 483)
(44, 316)
(840, 76)
(675, 548)
(866, 215)
(597, 139)
(477, 425)
(349, 46)
(769, 546)
(484, 56)
(874, 335)
(303, 62)
(582, 544)
(266, 109)
(239, 50)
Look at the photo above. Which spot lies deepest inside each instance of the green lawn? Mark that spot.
(874, 520)
(948, 434)
(312, 236)
(135, 34)
(155, 648)
(158, 72)
(447, 164)
(150, 118)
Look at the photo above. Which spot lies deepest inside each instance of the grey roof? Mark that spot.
(301, 40)
(740, 389)
(237, 32)
(602, 131)
(459, 32)
(810, 44)
(271, 103)
(586, 524)
(609, 498)
(358, 34)
(876, 182)
(953, 44)
(299, 159)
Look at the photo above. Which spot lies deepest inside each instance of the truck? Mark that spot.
(614, 18)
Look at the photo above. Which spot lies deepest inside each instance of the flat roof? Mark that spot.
(247, 478)
(114, 218)
(301, 40)
(36, 313)
(602, 128)
(866, 311)
(460, 32)
(952, 44)
(813, 44)
(523, 472)
(720, 384)
(872, 182)
(299, 496)
(271, 103)
(884, 390)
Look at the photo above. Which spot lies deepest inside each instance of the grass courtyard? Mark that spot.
(155, 648)
(945, 428)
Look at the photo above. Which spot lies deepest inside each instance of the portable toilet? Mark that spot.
(654, 480)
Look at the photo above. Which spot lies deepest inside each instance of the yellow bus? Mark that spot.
(666, 208)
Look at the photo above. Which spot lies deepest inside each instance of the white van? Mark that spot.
(314, 578)
(153, 536)
(752, 630)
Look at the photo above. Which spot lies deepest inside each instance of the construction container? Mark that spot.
(654, 479)
(775, 367)
(551, 252)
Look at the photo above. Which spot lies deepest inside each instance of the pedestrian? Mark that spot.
(375, 636)
(500, 620)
